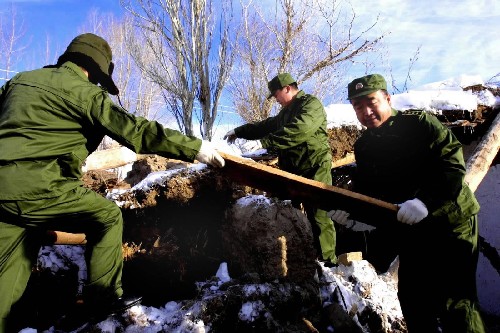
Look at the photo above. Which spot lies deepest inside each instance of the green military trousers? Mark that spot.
(322, 226)
(23, 224)
(437, 277)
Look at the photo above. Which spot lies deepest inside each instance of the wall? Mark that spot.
(488, 277)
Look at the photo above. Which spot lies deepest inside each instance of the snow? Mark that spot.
(341, 115)
(250, 310)
(61, 258)
(443, 95)
(260, 200)
(360, 278)
(173, 317)
(156, 178)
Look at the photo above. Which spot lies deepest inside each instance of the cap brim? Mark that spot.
(363, 93)
(107, 82)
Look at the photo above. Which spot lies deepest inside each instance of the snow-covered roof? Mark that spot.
(446, 95)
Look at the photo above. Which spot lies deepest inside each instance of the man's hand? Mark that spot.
(339, 216)
(209, 155)
(230, 137)
(412, 211)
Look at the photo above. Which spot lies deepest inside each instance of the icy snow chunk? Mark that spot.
(222, 273)
(259, 200)
(260, 289)
(359, 286)
(250, 310)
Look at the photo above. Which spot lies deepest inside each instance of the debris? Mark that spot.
(347, 258)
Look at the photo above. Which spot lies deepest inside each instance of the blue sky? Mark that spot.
(456, 37)
(58, 20)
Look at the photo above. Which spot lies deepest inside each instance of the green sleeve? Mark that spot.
(449, 164)
(308, 117)
(140, 134)
(257, 130)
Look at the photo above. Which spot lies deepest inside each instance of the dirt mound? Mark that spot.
(277, 237)
(342, 139)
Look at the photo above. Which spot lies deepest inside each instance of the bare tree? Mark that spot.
(11, 50)
(314, 40)
(411, 63)
(180, 34)
(494, 80)
(249, 80)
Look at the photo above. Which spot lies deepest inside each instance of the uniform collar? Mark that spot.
(388, 123)
(76, 69)
(300, 94)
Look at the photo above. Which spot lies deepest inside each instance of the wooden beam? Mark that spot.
(286, 185)
(110, 159)
(480, 161)
(64, 238)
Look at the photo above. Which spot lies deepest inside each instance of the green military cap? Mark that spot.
(366, 85)
(99, 51)
(278, 82)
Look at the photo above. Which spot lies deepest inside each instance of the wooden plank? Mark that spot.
(286, 185)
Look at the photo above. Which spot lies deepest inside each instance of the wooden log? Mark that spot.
(110, 158)
(64, 238)
(286, 185)
(480, 161)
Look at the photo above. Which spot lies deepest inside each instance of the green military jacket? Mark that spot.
(298, 133)
(413, 155)
(52, 118)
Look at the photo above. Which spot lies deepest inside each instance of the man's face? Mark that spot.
(284, 96)
(373, 109)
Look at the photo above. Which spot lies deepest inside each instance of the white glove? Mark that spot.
(230, 136)
(209, 155)
(339, 216)
(412, 211)
(251, 146)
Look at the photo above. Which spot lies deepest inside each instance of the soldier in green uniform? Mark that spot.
(50, 120)
(298, 133)
(411, 159)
